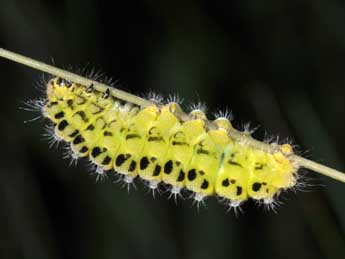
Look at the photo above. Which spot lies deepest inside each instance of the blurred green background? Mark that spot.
(278, 64)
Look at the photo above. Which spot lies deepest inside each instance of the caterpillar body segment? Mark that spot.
(157, 144)
(154, 144)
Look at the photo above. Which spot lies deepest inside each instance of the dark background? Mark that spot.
(278, 64)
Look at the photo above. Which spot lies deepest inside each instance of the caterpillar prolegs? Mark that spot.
(156, 145)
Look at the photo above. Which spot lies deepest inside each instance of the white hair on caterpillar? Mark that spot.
(235, 206)
(268, 139)
(101, 174)
(50, 136)
(174, 98)
(248, 129)
(224, 114)
(305, 183)
(199, 106)
(269, 204)
(35, 105)
(198, 198)
(175, 191)
(70, 154)
(154, 97)
(96, 74)
(126, 181)
(153, 187)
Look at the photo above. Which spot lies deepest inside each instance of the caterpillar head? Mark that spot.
(60, 92)
(59, 89)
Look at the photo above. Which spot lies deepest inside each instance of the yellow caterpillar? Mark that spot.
(162, 144)
(154, 144)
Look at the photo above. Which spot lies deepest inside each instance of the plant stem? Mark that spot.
(73, 77)
(319, 168)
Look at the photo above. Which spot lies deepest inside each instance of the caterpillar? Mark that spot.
(161, 144)
(155, 145)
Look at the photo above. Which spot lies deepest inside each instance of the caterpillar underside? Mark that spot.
(154, 144)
